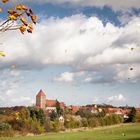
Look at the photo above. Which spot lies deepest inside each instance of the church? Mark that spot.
(46, 104)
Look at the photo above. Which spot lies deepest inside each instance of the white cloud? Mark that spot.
(118, 98)
(23, 100)
(88, 79)
(12, 91)
(68, 76)
(80, 42)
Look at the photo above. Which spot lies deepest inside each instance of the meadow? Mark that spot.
(123, 132)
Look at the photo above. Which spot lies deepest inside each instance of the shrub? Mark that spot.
(84, 122)
(137, 117)
(72, 121)
(93, 122)
(5, 126)
(55, 125)
(7, 133)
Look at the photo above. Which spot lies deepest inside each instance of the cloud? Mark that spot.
(88, 79)
(22, 100)
(116, 5)
(12, 88)
(80, 42)
(68, 76)
(118, 98)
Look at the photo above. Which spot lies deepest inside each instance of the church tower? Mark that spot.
(41, 99)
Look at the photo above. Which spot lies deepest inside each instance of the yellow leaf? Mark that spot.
(12, 17)
(2, 54)
(21, 7)
(24, 21)
(18, 14)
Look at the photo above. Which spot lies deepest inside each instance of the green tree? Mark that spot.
(53, 115)
(132, 115)
(59, 110)
(39, 115)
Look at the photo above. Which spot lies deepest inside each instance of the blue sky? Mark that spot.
(79, 53)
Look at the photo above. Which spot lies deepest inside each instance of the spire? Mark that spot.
(41, 93)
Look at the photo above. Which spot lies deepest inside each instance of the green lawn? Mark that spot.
(132, 132)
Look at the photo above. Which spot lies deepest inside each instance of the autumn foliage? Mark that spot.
(19, 18)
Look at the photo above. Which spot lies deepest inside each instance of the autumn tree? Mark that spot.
(19, 18)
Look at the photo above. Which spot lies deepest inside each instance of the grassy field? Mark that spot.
(132, 132)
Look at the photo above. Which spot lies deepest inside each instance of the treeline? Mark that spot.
(27, 120)
(32, 120)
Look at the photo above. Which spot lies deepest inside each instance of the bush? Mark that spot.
(7, 133)
(113, 119)
(137, 117)
(72, 122)
(93, 122)
(55, 125)
(84, 122)
(5, 126)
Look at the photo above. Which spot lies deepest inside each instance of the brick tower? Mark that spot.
(41, 99)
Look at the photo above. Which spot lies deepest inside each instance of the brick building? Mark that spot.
(46, 104)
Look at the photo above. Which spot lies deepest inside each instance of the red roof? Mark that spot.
(50, 103)
(62, 104)
(40, 93)
(138, 110)
(75, 108)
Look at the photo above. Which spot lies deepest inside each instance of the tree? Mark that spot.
(39, 115)
(132, 115)
(58, 108)
(17, 19)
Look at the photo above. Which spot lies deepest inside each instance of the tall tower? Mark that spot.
(41, 99)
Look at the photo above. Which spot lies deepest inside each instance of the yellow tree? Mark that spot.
(19, 18)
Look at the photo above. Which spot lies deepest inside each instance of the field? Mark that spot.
(123, 132)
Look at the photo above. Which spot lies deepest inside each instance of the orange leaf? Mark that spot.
(29, 30)
(0, 10)
(22, 29)
(12, 12)
(4, 1)
(30, 26)
(33, 17)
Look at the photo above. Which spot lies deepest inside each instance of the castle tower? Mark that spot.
(41, 99)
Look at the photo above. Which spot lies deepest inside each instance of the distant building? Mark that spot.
(46, 104)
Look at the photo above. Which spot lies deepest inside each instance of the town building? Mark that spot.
(47, 104)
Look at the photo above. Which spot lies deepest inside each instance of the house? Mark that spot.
(74, 109)
(61, 120)
(46, 104)
(138, 110)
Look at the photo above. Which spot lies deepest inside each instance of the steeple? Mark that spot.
(40, 93)
(41, 99)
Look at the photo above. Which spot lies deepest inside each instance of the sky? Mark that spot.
(80, 52)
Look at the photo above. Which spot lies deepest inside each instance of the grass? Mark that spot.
(132, 132)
